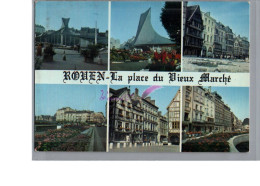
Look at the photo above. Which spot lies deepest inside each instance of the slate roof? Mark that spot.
(146, 35)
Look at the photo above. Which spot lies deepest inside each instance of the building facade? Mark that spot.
(39, 29)
(120, 116)
(208, 34)
(205, 111)
(229, 43)
(209, 111)
(163, 127)
(68, 114)
(193, 27)
(173, 112)
(45, 118)
(133, 118)
(70, 36)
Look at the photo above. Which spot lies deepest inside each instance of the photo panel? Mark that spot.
(68, 118)
(144, 118)
(215, 36)
(215, 119)
(71, 35)
(145, 36)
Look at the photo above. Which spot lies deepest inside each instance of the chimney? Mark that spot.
(148, 99)
(136, 92)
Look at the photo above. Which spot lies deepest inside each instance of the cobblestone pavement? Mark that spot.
(74, 61)
(196, 64)
(165, 148)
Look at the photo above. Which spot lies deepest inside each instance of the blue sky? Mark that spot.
(162, 96)
(232, 14)
(50, 98)
(81, 14)
(237, 99)
(125, 18)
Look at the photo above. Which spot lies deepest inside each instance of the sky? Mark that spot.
(81, 14)
(125, 18)
(162, 96)
(232, 14)
(237, 99)
(49, 98)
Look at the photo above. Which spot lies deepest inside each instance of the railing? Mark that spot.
(188, 88)
(188, 98)
(186, 119)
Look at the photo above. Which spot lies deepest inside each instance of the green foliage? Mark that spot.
(213, 143)
(37, 64)
(92, 51)
(171, 20)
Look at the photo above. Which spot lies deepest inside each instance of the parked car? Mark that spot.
(165, 141)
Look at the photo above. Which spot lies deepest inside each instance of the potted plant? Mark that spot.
(48, 53)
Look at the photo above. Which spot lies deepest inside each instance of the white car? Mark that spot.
(165, 141)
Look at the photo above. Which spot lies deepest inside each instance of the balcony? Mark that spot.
(198, 120)
(120, 129)
(188, 109)
(188, 98)
(196, 110)
(186, 119)
(188, 88)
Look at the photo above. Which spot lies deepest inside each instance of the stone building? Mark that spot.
(219, 112)
(38, 29)
(187, 99)
(70, 36)
(150, 129)
(45, 118)
(193, 27)
(138, 117)
(68, 114)
(173, 111)
(114, 43)
(120, 115)
(245, 47)
(208, 34)
(229, 42)
(227, 118)
(205, 111)
(198, 116)
(132, 118)
(162, 127)
(209, 108)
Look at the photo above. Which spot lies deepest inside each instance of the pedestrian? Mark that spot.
(39, 50)
(64, 56)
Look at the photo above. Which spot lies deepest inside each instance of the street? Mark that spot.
(74, 61)
(98, 138)
(165, 148)
(197, 64)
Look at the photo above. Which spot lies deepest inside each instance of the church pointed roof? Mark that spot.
(65, 22)
(146, 35)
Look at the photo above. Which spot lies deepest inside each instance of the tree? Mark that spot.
(171, 20)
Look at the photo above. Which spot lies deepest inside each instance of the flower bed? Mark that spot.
(213, 143)
(62, 139)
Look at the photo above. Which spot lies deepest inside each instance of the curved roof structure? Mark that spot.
(146, 35)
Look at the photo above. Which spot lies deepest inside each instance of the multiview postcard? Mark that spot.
(104, 77)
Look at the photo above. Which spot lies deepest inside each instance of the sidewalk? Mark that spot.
(74, 61)
(165, 148)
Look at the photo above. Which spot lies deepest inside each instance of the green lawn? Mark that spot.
(128, 66)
